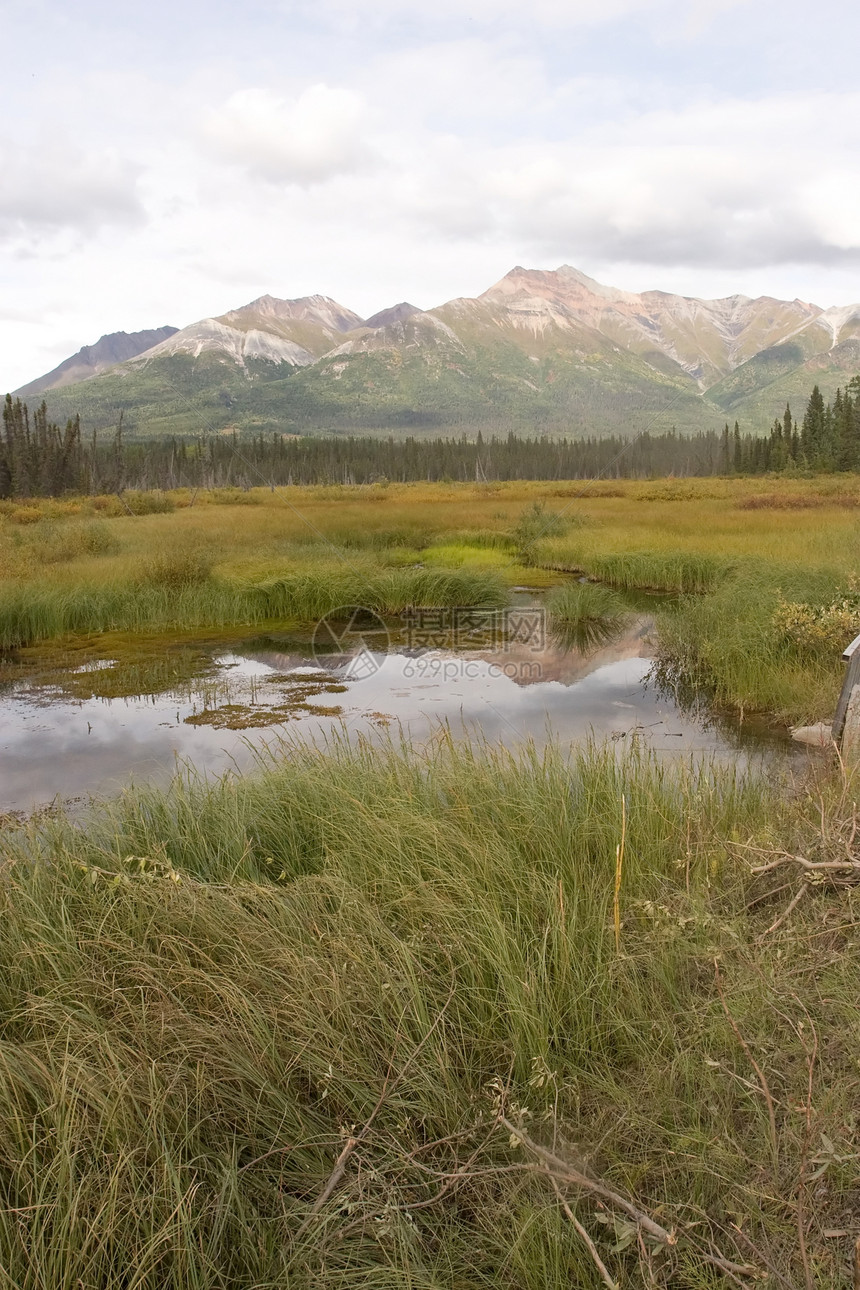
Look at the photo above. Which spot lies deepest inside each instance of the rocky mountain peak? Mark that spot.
(90, 360)
(394, 314)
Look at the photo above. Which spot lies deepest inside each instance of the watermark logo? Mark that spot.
(354, 641)
(520, 630)
(354, 638)
(448, 669)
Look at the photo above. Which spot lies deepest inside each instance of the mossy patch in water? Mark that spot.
(246, 716)
(295, 702)
(119, 665)
(130, 677)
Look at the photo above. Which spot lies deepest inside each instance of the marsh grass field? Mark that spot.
(447, 1018)
(729, 553)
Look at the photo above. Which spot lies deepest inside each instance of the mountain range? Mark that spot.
(90, 360)
(539, 352)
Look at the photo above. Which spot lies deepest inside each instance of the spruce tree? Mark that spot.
(812, 429)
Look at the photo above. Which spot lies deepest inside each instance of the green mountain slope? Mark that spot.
(757, 401)
(396, 385)
(540, 352)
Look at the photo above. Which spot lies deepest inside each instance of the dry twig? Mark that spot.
(353, 1140)
(554, 1166)
(589, 1243)
(792, 904)
(619, 868)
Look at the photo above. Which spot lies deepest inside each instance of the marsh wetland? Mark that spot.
(139, 643)
(80, 723)
(455, 956)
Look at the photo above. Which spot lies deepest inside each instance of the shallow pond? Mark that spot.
(86, 722)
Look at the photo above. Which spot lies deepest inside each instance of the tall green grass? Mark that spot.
(729, 645)
(204, 991)
(169, 597)
(672, 571)
(584, 615)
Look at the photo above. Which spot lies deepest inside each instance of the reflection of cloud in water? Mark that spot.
(96, 747)
(69, 748)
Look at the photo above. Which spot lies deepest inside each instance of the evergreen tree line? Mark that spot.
(827, 439)
(38, 458)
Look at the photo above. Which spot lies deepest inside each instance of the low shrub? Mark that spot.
(175, 569)
(820, 629)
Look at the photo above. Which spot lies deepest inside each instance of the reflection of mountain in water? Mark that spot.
(280, 661)
(525, 664)
(555, 662)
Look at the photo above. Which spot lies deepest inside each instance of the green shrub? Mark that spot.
(820, 629)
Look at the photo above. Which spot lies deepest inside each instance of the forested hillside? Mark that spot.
(38, 458)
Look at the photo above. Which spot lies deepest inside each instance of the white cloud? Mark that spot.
(690, 16)
(306, 140)
(397, 150)
(734, 184)
(51, 185)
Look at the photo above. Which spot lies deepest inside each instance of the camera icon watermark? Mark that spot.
(354, 639)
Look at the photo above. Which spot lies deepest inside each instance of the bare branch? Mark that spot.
(555, 1166)
(352, 1142)
(792, 904)
(589, 1243)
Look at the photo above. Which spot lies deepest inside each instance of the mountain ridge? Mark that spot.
(90, 360)
(550, 350)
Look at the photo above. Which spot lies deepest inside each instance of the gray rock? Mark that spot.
(819, 735)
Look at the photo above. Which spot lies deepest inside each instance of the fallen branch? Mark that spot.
(766, 1261)
(792, 904)
(557, 1168)
(333, 1180)
(588, 1242)
(731, 1269)
(809, 866)
(354, 1139)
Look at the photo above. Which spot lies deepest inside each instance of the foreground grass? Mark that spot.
(370, 956)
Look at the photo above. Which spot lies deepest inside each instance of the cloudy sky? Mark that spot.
(166, 161)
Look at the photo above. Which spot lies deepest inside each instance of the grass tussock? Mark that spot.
(675, 571)
(311, 1027)
(584, 614)
(175, 570)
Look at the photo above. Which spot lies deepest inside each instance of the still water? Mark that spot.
(71, 727)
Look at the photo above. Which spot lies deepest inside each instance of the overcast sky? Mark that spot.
(167, 161)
